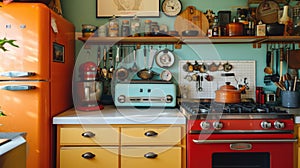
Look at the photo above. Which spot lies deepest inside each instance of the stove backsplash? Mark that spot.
(244, 74)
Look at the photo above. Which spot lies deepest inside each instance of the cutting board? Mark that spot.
(191, 19)
(294, 59)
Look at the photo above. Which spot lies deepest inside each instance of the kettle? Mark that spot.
(228, 94)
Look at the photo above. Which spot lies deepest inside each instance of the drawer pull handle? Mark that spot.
(150, 155)
(88, 134)
(88, 155)
(151, 133)
(17, 87)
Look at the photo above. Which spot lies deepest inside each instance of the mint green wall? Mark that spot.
(80, 12)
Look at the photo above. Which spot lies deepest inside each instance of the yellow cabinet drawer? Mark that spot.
(89, 135)
(151, 135)
(151, 157)
(90, 157)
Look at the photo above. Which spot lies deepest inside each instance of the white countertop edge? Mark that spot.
(297, 119)
(15, 142)
(119, 120)
(113, 115)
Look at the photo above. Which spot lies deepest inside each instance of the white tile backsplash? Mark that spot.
(242, 70)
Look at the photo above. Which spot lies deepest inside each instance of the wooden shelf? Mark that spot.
(132, 40)
(223, 40)
(255, 40)
(284, 39)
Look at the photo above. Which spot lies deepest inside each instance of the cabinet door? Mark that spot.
(298, 159)
(89, 135)
(89, 157)
(151, 135)
(151, 157)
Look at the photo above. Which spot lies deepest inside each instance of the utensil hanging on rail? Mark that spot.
(134, 67)
(268, 69)
(275, 77)
(104, 69)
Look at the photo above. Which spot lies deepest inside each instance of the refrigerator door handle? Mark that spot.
(17, 87)
(17, 74)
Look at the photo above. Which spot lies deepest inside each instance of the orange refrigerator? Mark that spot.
(36, 77)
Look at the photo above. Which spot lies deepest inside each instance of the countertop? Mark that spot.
(295, 111)
(16, 139)
(129, 115)
(132, 115)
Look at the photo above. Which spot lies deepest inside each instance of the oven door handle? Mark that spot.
(198, 141)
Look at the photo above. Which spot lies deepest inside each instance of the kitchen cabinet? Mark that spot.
(88, 157)
(159, 157)
(151, 146)
(98, 145)
(88, 146)
(117, 140)
(297, 148)
(13, 150)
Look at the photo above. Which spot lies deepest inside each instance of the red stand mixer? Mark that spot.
(89, 88)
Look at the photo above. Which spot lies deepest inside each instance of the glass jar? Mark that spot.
(250, 28)
(102, 31)
(125, 30)
(135, 26)
(154, 28)
(148, 27)
(113, 27)
(296, 21)
(215, 27)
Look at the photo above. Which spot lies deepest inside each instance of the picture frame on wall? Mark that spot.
(58, 52)
(127, 8)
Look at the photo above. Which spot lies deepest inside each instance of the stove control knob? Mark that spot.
(205, 125)
(121, 99)
(217, 125)
(265, 125)
(169, 99)
(279, 125)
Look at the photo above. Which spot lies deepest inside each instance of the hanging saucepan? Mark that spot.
(121, 73)
(227, 67)
(220, 67)
(213, 67)
(196, 66)
(146, 74)
(209, 77)
(185, 67)
(202, 68)
(228, 94)
(165, 58)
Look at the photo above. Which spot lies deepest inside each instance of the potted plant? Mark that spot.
(4, 41)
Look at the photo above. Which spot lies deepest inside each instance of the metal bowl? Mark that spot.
(190, 33)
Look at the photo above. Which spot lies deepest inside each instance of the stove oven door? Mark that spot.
(245, 151)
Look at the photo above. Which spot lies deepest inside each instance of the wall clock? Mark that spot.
(171, 7)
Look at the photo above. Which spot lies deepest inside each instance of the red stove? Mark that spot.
(243, 135)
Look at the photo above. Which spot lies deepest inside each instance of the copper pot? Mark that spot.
(235, 29)
(228, 94)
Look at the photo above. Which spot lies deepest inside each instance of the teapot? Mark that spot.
(228, 94)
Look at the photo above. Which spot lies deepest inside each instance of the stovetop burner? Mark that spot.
(245, 110)
(236, 108)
